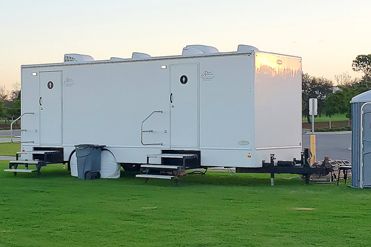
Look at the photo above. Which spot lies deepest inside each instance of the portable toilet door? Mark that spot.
(184, 106)
(50, 108)
(361, 140)
(366, 145)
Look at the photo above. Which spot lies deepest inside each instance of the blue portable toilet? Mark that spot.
(361, 140)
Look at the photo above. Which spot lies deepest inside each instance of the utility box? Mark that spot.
(361, 140)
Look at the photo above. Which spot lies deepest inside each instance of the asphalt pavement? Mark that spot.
(8, 133)
(335, 145)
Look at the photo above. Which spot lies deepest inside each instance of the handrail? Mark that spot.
(148, 131)
(14, 121)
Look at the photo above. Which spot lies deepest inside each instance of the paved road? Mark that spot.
(7, 132)
(4, 134)
(335, 145)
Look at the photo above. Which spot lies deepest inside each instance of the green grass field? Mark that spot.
(334, 118)
(9, 149)
(218, 209)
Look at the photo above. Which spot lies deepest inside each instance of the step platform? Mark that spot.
(36, 152)
(165, 167)
(20, 170)
(173, 166)
(154, 176)
(24, 162)
(172, 156)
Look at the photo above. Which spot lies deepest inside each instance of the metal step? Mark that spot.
(166, 177)
(160, 166)
(37, 152)
(19, 170)
(172, 156)
(28, 162)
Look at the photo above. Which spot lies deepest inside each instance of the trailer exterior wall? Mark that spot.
(278, 108)
(105, 103)
(227, 111)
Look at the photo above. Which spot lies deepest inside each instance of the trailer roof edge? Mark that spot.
(151, 59)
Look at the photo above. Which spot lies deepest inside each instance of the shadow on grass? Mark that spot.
(220, 179)
(51, 171)
(209, 179)
(235, 179)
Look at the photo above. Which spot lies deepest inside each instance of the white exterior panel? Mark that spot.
(50, 108)
(278, 105)
(184, 106)
(227, 111)
(230, 109)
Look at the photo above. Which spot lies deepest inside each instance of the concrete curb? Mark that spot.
(329, 133)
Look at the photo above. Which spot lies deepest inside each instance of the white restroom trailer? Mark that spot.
(234, 109)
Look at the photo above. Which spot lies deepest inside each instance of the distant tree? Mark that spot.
(3, 97)
(344, 79)
(3, 94)
(10, 103)
(314, 87)
(363, 63)
(2, 110)
(339, 102)
(14, 104)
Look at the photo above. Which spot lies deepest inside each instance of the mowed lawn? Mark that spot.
(218, 209)
(324, 118)
(9, 149)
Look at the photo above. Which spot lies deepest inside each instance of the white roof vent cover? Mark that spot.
(140, 56)
(194, 50)
(77, 58)
(246, 48)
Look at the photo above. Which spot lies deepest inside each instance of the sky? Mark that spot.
(327, 34)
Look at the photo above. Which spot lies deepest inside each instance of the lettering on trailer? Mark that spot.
(207, 75)
(68, 82)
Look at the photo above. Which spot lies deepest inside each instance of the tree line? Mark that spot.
(10, 104)
(336, 100)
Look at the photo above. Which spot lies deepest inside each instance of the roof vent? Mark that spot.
(140, 56)
(116, 59)
(77, 58)
(194, 50)
(246, 48)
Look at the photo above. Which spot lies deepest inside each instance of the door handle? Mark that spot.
(40, 101)
(171, 98)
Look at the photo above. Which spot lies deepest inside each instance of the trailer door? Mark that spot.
(50, 113)
(366, 142)
(184, 106)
